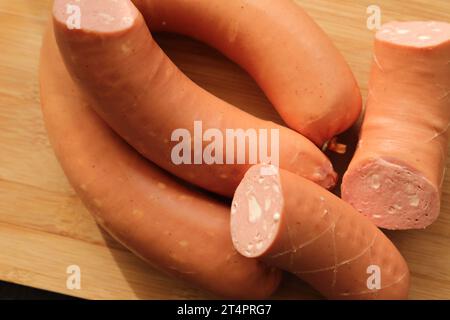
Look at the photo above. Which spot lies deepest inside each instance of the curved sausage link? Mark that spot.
(144, 97)
(175, 229)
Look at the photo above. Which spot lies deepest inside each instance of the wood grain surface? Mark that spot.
(44, 228)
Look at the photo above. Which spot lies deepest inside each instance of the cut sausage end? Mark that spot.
(104, 16)
(256, 211)
(393, 195)
(415, 34)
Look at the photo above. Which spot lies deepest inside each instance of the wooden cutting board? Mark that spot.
(44, 228)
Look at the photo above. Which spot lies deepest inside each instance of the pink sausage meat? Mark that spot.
(290, 223)
(396, 175)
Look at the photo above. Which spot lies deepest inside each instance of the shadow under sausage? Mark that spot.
(148, 283)
(212, 71)
(341, 161)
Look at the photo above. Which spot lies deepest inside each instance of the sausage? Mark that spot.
(144, 97)
(281, 47)
(293, 224)
(173, 227)
(396, 175)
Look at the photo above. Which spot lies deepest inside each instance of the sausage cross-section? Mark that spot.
(396, 175)
(291, 223)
